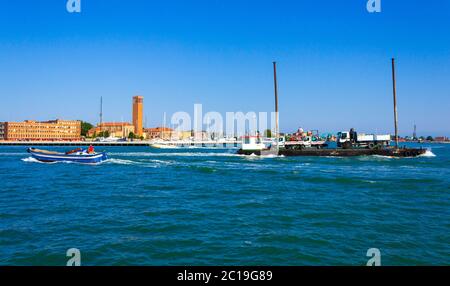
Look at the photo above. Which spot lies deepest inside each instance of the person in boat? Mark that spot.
(353, 135)
(73, 151)
(90, 150)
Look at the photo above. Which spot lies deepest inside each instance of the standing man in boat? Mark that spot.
(353, 135)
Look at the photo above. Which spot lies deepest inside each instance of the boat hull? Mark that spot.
(60, 157)
(390, 152)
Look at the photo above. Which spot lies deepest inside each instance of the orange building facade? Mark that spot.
(115, 129)
(159, 133)
(2, 130)
(138, 110)
(55, 130)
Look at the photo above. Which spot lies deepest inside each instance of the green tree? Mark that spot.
(104, 134)
(268, 133)
(430, 138)
(131, 135)
(85, 127)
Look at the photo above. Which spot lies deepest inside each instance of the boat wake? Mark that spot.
(176, 154)
(120, 162)
(257, 157)
(32, 160)
(142, 163)
(381, 157)
(428, 154)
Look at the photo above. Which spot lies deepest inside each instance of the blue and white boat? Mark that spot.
(75, 156)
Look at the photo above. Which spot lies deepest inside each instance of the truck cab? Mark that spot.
(343, 136)
(252, 143)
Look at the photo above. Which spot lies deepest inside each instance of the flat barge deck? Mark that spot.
(390, 152)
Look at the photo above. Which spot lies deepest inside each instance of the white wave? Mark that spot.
(159, 161)
(175, 154)
(143, 163)
(253, 156)
(32, 160)
(119, 162)
(271, 156)
(381, 157)
(428, 154)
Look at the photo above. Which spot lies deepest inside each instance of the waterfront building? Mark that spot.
(2, 130)
(160, 133)
(201, 136)
(441, 139)
(138, 109)
(183, 135)
(113, 129)
(54, 130)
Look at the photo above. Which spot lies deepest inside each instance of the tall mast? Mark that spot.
(276, 101)
(101, 110)
(394, 89)
(164, 126)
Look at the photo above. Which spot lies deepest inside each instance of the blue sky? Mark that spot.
(333, 60)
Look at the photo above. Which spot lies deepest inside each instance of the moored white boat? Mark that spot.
(164, 146)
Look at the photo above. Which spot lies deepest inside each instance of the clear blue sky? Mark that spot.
(333, 56)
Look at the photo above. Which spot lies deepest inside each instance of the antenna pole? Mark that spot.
(276, 101)
(101, 110)
(394, 89)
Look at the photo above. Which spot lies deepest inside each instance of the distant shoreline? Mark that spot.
(115, 144)
(145, 143)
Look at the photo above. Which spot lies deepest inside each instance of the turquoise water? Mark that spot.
(211, 207)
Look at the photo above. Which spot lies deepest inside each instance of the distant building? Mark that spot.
(183, 135)
(54, 130)
(2, 130)
(138, 109)
(200, 136)
(159, 133)
(114, 129)
(441, 139)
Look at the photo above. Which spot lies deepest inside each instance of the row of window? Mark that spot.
(43, 127)
(37, 137)
(42, 131)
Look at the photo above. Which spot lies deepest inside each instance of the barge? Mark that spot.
(388, 152)
(252, 145)
(349, 144)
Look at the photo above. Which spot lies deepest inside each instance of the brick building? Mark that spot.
(54, 130)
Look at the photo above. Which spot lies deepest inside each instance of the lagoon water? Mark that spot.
(212, 207)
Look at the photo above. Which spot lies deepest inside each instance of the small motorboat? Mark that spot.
(75, 156)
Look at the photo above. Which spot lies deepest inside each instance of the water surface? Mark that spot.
(212, 207)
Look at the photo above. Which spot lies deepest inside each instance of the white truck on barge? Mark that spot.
(352, 139)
